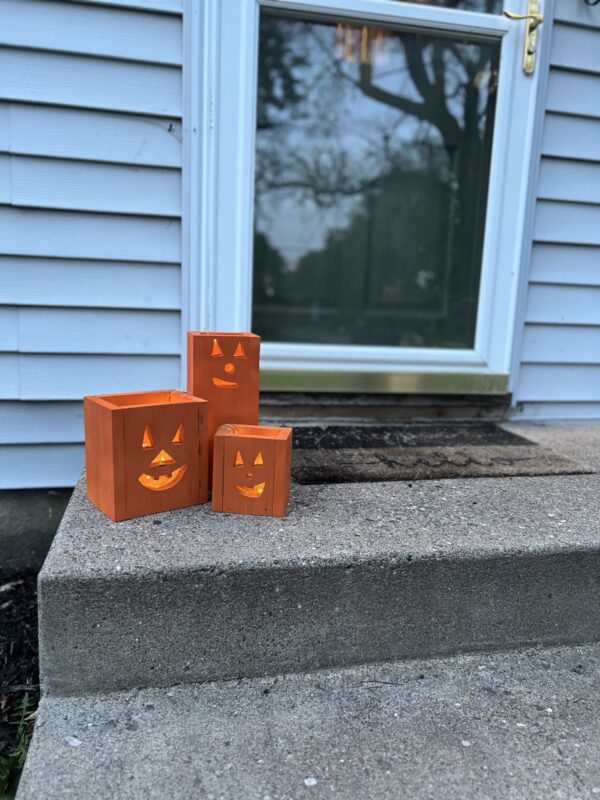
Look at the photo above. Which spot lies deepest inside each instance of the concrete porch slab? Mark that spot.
(354, 573)
(523, 725)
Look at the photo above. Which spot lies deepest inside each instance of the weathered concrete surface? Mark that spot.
(354, 573)
(578, 440)
(504, 727)
(28, 521)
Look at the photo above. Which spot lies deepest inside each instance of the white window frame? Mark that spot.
(220, 81)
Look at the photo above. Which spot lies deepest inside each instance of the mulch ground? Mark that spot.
(19, 689)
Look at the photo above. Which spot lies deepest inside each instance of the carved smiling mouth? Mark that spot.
(222, 384)
(251, 491)
(163, 481)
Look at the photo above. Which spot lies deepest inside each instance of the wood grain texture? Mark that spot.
(229, 382)
(145, 452)
(251, 469)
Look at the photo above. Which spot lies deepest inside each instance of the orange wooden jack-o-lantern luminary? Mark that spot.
(224, 369)
(145, 452)
(251, 469)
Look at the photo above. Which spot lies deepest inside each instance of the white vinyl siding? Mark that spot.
(559, 375)
(90, 219)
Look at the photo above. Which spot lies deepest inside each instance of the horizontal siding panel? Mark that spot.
(5, 180)
(61, 330)
(564, 305)
(557, 411)
(9, 376)
(571, 137)
(9, 328)
(559, 382)
(553, 263)
(70, 377)
(66, 80)
(89, 135)
(92, 284)
(574, 93)
(92, 30)
(576, 181)
(81, 186)
(577, 13)
(567, 223)
(40, 466)
(575, 48)
(559, 344)
(96, 236)
(40, 423)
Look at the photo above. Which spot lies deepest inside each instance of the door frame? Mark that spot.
(219, 103)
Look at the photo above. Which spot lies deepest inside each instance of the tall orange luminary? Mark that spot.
(145, 452)
(223, 368)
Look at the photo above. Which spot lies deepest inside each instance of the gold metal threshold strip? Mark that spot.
(276, 380)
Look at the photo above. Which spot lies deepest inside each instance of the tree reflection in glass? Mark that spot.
(483, 6)
(372, 162)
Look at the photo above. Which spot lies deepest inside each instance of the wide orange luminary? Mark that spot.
(251, 469)
(224, 369)
(145, 452)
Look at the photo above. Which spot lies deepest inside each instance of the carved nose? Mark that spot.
(248, 474)
(229, 368)
(162, 458)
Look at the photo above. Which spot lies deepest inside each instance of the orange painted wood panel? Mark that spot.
(146, 452)
(252, 466)
(223, 368)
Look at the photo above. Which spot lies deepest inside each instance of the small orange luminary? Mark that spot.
(251, 469)
(145, 452)
(224, 369)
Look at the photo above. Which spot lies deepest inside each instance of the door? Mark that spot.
(365, 183)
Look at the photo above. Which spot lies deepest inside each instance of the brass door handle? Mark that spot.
(534, 19)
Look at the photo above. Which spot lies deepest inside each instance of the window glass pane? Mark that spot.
(372, 161)
(484, 6)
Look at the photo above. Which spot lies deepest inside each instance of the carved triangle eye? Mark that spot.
(239, 351)
(147, 440)
(258, 461)
(216, 350)
(178, 438)
(239, 461)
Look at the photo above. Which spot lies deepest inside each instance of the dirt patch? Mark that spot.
(19, 689)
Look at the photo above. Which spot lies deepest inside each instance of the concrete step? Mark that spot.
(522, 725)
(355, 573)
